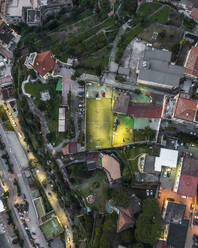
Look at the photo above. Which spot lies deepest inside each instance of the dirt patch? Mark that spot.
(171, 35)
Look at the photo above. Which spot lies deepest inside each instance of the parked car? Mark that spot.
(191, 206)
(195, 220)
(171, 199)
(147, 192)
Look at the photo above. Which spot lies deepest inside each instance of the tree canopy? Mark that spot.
(148, 227)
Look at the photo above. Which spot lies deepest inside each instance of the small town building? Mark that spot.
(191, 63)
(126, 214)
(167, 158)
(5, 81)
(70, 148)
(174, 212)
(186, 109)
(125, 219)
(42, 63)
(153, 165)
(157, 70)
(189, 178)
(149, 164)
(121, 104)
(177, 234)
(144, 110)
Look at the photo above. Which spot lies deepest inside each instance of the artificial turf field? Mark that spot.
(99, 123)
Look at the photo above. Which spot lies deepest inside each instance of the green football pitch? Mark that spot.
(99, 123)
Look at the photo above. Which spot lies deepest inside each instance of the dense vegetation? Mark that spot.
(148, 226)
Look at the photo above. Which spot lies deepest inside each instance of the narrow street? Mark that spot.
(52, 197)
(33, 223)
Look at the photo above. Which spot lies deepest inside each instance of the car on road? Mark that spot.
(171, 199)
(191, 206)
(147, 192)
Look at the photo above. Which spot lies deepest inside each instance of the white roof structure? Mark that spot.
(167, 158)
(61, 120)
(1, 206)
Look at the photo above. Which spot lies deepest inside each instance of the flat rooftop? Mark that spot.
(174, 212)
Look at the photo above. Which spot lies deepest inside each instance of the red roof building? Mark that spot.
(188, 186)
(191, 64)
(125, 219)
(194, 14)
(69, 148)
(144, 110)
(44, 63)
(185, 109)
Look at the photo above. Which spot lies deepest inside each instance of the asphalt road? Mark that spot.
(33, 223)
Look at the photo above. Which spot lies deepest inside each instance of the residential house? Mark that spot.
(42, 63)
(168, 158)
(177, 233)
(70, 149)
(185, 109)
(156, 70)
(174, 212)
(189, 178)
(125, 219)
(121, 104)
(191, 63)
(175, 225)
(144, 110)
(126, 215)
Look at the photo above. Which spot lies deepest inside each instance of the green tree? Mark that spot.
(148, 227)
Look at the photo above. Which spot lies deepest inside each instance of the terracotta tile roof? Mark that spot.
(191, 66)
(187, 185)
(185, 109)
(194, 13)
(125, 219)
(44, 63)
(144, 110)
(112, 167)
